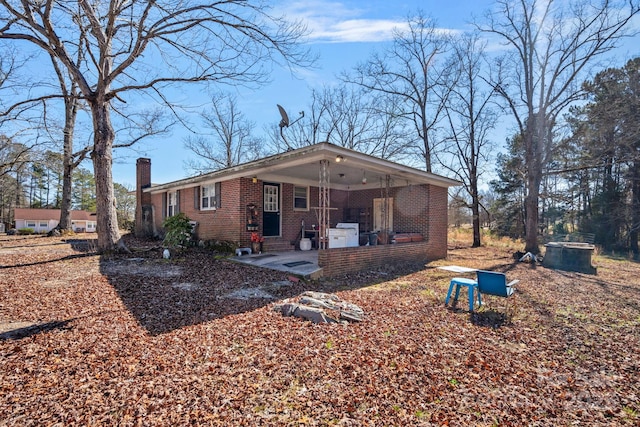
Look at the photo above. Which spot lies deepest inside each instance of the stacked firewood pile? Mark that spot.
(320, 307)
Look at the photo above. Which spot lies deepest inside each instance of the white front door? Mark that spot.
(379, 215)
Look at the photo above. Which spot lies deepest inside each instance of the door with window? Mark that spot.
(271, 210)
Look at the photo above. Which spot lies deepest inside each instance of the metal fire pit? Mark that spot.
(569, 256)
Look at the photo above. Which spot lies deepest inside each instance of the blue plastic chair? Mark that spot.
(471, 285)
(494, 283)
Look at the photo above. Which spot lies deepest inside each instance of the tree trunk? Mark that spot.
(475, 202)
(102, 156)
(533, 163)
(531, 221)
(635, 210)
(425, 140)
(65, 202)
(68, 166)
(475, 209)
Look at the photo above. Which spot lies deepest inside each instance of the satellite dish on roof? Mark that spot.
(285, 118)
(284, 122)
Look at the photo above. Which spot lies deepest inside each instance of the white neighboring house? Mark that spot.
(45, 220)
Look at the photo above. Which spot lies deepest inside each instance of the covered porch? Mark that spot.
(356, 210)
(398, 213)
(348, 187)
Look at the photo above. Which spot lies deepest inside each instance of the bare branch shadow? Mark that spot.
(28, 331)
(49, 261)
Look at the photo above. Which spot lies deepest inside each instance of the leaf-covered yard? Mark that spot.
(138, 340)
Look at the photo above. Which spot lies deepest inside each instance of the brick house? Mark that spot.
(310, 192)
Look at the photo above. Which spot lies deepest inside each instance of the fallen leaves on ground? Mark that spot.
(139, 340)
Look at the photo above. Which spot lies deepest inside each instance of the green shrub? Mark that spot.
(26, 230)
(177, 231)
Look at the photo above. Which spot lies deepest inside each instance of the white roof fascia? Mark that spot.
(273, 163)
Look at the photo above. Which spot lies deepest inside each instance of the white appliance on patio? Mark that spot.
(345, 235)
(337, 238)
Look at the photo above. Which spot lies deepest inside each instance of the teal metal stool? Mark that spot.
(471, 287)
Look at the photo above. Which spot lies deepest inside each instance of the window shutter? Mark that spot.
(218, 198)
(177, 201)
(196, 198)
(164, 204)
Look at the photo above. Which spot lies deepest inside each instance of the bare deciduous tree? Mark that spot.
(229, 141)
(12, 154)
(70, 95)
(412, 70)
(552, 45)
(471, 118)
(351, 117)
(139, 47)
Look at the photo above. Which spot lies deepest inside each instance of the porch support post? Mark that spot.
(384, 226)
(323, 204)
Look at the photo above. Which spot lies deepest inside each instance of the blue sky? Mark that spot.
(343, 33)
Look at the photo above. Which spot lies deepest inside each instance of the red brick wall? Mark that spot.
(416, 209)
(411, 206)
(223, 223)
(158, 216)
(292, 220)
(348, 260)
(250, 193)
(438, 222)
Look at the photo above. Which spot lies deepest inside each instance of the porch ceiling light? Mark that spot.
(339, 158)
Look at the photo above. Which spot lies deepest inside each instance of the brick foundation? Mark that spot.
(335, 262)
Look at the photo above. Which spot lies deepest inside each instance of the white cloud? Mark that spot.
(358, 30)
(334, 22)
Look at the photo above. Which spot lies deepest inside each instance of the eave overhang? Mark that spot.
(301, 167)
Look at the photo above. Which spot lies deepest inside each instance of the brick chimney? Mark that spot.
(144, 210)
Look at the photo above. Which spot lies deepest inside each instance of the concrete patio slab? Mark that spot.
(299, 263)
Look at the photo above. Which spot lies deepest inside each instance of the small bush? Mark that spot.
(25, 231)
(177, 231)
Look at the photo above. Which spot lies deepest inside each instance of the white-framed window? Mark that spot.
(172, 203)
(300, 198)
(31, 224)
(44, 224)
(208, 197)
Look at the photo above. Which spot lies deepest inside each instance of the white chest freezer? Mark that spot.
(337, 238)
(352, 233)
